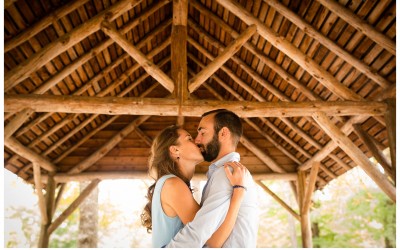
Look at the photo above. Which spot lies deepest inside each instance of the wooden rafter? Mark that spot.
(334, 47)
(103, 150)
(307, 63)
(169, 107)
(42, 24)
(390, 118)
(355, 153)
(206, 72)
(134, 52)
(23, 70)
(360, 25)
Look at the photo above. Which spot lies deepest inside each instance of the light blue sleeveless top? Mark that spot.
(164, 228)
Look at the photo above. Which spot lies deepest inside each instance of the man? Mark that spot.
(219, 132)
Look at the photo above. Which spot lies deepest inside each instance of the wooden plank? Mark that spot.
(24, 69)
(356, 154)
(312, 32)
(169, 107)
(85, 193)
(360, 25)
(148, 65)
(103, 150)
(322, 75)
(228, 52)
(43, 23)
(279, 200)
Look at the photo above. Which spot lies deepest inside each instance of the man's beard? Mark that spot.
(211, 150)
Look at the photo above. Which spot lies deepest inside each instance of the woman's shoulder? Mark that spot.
(174, 183)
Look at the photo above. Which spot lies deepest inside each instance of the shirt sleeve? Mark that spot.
(209, 217)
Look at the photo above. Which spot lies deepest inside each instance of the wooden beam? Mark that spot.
(103, 150)
(306, 235)
(197, 80)
(390, 118)
(41, 199)
(36, 61)
(29, 154)
(356, 154)
(116, 175)
(279, 200)
(311, 186)
(43, 23)
(361, 25)
(85, 193)
(135, 53)
(256, 52)
(372, 147)
(169, 107)
(143, 136)
(17, 122)
(8, 3)
(307, 63)
(334, 47)
(179, 50)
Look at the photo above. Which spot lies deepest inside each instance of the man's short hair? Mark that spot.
(226, 118)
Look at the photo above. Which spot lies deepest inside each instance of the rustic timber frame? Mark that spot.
(88, 84)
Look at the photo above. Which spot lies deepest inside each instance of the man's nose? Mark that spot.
(197, 140)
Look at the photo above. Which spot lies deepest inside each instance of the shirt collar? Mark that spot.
(233, 156)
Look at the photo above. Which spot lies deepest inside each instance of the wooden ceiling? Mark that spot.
(88, 84)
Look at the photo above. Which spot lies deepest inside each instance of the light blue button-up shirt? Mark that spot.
(215, 204)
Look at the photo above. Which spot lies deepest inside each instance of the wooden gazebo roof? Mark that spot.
(88, 84)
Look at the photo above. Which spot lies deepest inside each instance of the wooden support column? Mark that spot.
(355, 153)
(41, 199)
(50, 193)
(279, 200)
(390, 118)
(179, 71)
(136, 54)
(305, 224)
(311, 186)
(73, 206)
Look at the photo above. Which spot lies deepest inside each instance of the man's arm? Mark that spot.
(209, 217)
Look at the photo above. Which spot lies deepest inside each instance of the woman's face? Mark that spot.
(189, 151)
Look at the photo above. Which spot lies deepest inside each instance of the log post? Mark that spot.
(390, 118)
(306, 235)
(179, 54)
(50, 193)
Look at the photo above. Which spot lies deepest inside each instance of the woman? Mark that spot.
(171, 205)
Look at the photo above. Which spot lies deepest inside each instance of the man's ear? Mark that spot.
(224, 133)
